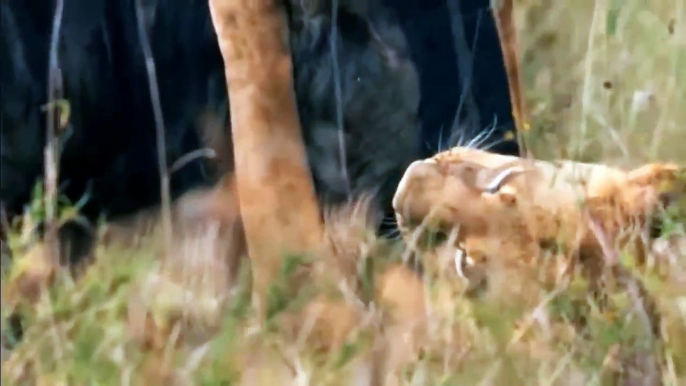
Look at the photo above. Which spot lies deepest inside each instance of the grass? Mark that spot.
(605, 82)
(611, 86)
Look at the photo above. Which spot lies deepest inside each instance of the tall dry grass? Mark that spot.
(605, 81)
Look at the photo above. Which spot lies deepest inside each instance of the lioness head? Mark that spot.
(515, 202)
(434, 193)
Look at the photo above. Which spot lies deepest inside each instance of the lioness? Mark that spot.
(514, 208)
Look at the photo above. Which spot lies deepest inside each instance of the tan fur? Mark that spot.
(540, 206)
(274, 184)
(437, 194)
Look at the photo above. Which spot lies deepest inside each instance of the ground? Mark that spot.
(604, 82)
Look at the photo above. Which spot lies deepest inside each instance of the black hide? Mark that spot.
(402, 69)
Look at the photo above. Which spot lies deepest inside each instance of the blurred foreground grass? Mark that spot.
(605, 80)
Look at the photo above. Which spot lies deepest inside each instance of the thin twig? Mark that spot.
(502, 12)
(51, 151)
(159, 123)
(587, 100)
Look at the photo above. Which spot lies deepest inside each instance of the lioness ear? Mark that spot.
(496, 183)
(657, 175)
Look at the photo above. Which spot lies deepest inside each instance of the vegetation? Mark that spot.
(604, 81)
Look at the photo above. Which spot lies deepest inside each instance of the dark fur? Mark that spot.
(109, 144)
(111, 150)
(438, 54)
(379, 91)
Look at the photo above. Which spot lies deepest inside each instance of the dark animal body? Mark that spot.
(395, 89)
(464, 89)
